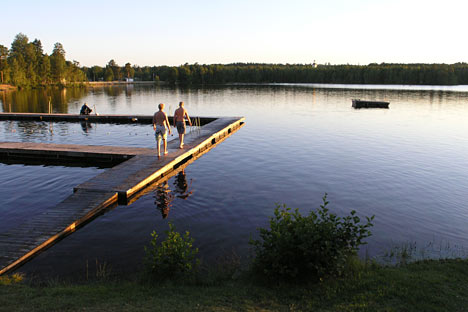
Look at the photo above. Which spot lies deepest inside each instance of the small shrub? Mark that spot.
(11, 279)
(300, 247)
(174, 257)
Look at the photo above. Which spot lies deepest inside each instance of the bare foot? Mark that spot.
(159, 156)
(165, 153)
(181, 145)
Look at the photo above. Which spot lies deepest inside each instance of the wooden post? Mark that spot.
(4, 101)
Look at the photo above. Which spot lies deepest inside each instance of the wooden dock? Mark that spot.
(119, 184)
(118, 119)
(62, 154)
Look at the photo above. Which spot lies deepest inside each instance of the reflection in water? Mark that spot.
(163, 199)
(86, 126)
(37, 100)
(114, 91)
(129, 90)
(163, 195)
(182, 188)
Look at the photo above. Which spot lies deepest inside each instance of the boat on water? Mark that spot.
(358, 103)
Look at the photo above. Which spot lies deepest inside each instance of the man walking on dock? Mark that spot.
(179, 122)
(161, 126)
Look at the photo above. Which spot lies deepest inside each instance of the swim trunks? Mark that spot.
(180, 127)
(161, 132)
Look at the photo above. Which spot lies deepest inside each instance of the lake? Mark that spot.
(407, 165)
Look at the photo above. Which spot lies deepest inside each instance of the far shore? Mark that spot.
(106, 83)
(6, 87)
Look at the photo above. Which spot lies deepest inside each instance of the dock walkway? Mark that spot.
(47, 153)
(119, 119)
(115, 185)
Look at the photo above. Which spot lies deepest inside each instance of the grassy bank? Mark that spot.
(422, 286)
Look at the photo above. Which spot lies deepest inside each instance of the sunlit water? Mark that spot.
(407, 165)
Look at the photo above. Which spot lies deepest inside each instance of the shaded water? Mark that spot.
(407, 165)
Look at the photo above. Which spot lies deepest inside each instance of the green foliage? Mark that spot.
(11, 279)
(308, 247)
(175, 257)
(422, 286)
(108, 74)
(129, 71)
(26, 65)
(115, 70)
(419, 74)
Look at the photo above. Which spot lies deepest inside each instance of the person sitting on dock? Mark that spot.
(161, 126)
(85, 110)
(179, 122)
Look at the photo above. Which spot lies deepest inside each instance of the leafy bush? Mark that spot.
(300, 247)
(11, 279)
(174, 257)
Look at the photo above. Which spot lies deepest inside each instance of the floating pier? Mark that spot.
(357, 103)
(66, 154)
(118, 119)
(120, 184)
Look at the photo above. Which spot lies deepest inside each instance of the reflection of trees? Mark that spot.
(27, 130)
(129, 89)
(37, 100)
(114, 90)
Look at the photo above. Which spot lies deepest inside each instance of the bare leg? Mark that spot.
(181, 139)
(165, 146)
(159, 146)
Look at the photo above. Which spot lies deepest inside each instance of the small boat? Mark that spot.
(357, 103)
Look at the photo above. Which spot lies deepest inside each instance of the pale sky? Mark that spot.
(289, 31)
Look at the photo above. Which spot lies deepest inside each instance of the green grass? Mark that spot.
(436, 285)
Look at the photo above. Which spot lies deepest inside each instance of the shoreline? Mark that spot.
(7, 87)
(110, 83)
(422, 286)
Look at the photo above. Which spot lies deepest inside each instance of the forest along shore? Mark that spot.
(6, 87)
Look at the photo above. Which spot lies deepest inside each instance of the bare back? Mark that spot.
(159, 118)
(179, 114)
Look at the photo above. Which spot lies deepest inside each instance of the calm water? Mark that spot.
(407, 165)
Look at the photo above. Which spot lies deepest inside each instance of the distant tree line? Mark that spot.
(419, 74)
(25, 64)
(426, 74)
